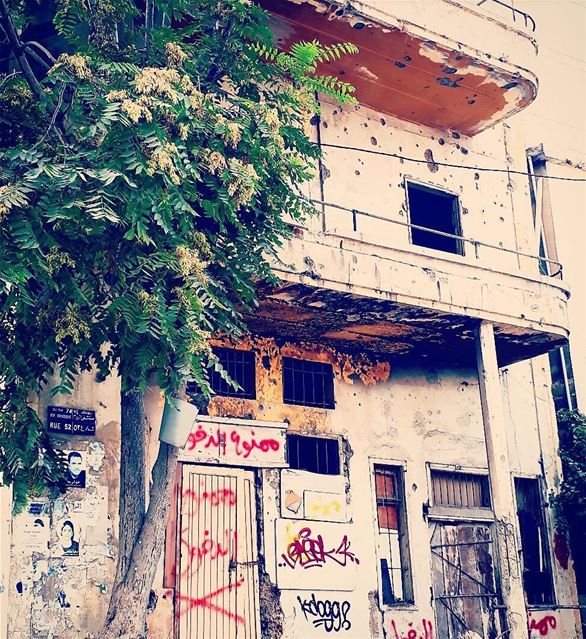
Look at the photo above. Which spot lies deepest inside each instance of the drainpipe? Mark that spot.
(501, 483)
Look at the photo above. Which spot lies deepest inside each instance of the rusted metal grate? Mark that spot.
(463, 490)
(308, 383)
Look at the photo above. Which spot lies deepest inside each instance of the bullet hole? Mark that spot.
(414, 487)
(373, 141)
(448, 82)
(441, 141)
(502, 219)
(477, 176)
(458, 57)
(359, 25)
(345, 129)
(335, 112)
(356, 172)
(365, 125)
(431, 165)
(399, 64)
(383, 121)
(341, 72)
(266, 362)
(449, 70)
(464, 211)
(471, 101)
(501, 244)
(19, 587)
(324, 172)
(457, 146)
(464, 150)
(407, 58)
(455, 135)
(325, 125)
(427, 86)
(314, 120)
(465, 383)
(510, 85)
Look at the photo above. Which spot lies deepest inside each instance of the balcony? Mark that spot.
(344, 285)
(444, 64)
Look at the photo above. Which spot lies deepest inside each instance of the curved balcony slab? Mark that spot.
(408, 304)
(443, 64)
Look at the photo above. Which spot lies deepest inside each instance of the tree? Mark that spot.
(150, 156)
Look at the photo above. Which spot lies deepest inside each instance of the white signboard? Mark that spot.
(236, 442)
(315, 555)
(324, 506)
(306, 495)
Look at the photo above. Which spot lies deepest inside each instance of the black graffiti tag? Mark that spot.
(331, 615)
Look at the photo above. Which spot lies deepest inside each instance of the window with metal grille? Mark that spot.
(437, 211)
(392, 536)
(308, 383)
(240, 366)
(537, 575)
(314, 454)
(460, 490)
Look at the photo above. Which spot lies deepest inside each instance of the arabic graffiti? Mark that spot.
(426, 631)
(310, 552)
(208, 602)
(330, 615)
(542, 625)
(214, 498)
(213, 549)
(225, 439)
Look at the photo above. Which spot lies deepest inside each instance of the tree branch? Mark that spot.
(18, 50)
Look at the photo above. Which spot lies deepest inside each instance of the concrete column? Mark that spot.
(501, 483)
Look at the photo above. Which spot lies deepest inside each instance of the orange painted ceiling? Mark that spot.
(404, 76)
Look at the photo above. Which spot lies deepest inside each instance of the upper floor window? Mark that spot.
(392, 537)
(240, 367)
(537, 575)
(314, 454)
(308, 383)
(438, 211)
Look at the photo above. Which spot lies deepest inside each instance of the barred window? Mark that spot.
(392, 537)
(308, 383)
(240, 366)
(314, 454)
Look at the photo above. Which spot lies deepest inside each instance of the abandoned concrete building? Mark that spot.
(385, 468)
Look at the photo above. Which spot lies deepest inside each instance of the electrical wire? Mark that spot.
(405, 158)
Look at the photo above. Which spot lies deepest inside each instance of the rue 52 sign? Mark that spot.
(71, 421)
(236, 442)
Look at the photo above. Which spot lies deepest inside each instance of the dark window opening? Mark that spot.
(240, 367)
(438, 211)
(563, 387)
(308, 383)
(392, 536)
(537, 576)
(314, 454)
(460, 490)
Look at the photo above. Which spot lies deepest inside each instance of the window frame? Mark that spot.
(329, 402)
(408, 586)
(338, 441)
(547, 550)
(456, 215)
(235, 394)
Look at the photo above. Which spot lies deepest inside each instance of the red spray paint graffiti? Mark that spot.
(207, 602)
(542, 625)
(214, 498)
(309, 552)
(413, 633)
(224, 439)
(213, 549)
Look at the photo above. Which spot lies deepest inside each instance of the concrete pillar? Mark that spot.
(501, 483)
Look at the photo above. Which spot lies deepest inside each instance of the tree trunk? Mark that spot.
(142, 535)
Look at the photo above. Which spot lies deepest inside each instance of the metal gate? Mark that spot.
(218, 574)
(465, 587)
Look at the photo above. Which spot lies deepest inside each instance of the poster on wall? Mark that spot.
(315, 555)
(76, 471)
(32, 527)
(67, 537)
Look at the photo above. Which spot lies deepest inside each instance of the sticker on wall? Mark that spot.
(292, 501)
(71, 421)
(75, 476)
(315, 555)
(300, 499)
(67, 541)
(33, 528)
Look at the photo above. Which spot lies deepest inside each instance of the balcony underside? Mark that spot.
(301, 312)
(411, 77)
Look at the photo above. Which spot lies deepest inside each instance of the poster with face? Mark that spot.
(95, 456)
(75, 477)
(32, 526)
(68, 537)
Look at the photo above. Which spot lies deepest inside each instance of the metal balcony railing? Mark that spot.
(554, 268)
(517, 14)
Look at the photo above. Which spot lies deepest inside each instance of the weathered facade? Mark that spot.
(385, 469)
